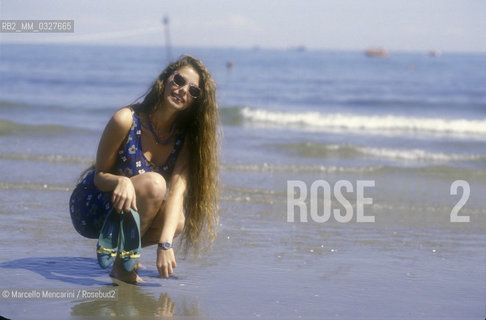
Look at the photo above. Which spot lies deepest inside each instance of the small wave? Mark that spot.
(231, 116)
(33, 186)
(418, 155)
(370, 124)
(255, 195)
(21, 106)
(54, 158)
(12, 128)
(316, 150)
(265, 167)
(11, 104)
(437, 170)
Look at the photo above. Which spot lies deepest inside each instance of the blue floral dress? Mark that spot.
(88, 205)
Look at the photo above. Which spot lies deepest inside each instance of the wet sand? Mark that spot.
(416, 266)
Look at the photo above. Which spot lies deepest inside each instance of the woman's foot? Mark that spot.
(139, 266)
(119, 273)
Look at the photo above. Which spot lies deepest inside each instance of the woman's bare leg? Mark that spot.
(152, 236)
(150, 189)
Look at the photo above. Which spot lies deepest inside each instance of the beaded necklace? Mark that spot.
(156, 137)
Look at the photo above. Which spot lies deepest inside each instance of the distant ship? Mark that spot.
(434, 53)
(376, 53)
(300, 48)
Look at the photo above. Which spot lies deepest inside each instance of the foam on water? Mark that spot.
(388, 124)
(418, 155)
(53, 158)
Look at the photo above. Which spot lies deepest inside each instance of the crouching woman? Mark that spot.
(160, 159)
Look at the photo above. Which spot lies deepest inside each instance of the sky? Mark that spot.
(401, 25)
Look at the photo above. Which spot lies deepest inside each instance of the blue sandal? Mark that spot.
(130, 245)
(107, 245)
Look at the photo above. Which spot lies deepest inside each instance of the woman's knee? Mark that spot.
(150, 185)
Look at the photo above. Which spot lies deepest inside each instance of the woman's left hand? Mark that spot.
(165, 262)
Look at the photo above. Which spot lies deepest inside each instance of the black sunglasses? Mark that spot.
(180, 81)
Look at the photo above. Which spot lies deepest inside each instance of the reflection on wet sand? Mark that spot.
(135, 302)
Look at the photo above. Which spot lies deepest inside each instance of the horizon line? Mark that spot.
(256, 47)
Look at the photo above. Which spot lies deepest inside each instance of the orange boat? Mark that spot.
(376, 53)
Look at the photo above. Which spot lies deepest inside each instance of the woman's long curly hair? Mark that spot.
(200, 123)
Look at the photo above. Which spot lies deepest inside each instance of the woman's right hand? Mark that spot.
(124, 196)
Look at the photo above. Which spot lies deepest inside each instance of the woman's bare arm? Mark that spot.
(113, 136)
(173, 210)
(175, 198)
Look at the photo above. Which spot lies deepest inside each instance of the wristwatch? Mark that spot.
(165, 245)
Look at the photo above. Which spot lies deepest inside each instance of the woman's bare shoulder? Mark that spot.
(122, 118)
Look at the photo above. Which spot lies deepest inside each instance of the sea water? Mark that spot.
(410, 123)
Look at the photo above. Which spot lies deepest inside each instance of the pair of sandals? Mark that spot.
(123, 229)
